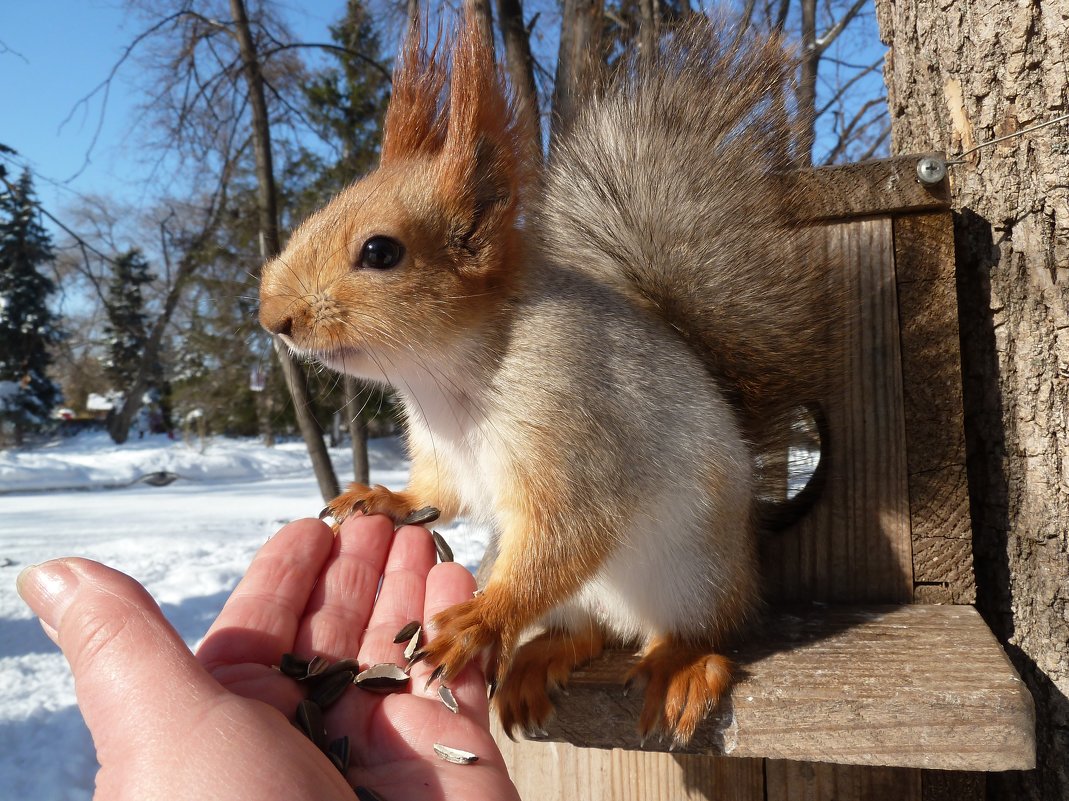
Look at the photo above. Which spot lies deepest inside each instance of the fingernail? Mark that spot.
(48, 590)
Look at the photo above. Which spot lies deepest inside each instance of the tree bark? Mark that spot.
(520, 66)
(807, 83)
(354, 412)
(959, 76)
(580, 50)
(271, 246)
(485, 15)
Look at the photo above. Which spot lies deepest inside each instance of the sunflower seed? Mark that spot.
(385, 676)
(330, 689)
(454, 755)
(448, 699)
(428, 514)
(338, 751)
(341, 666)
(316, 665)
(293, 666)
(445, 553)
(310, 720)
(364, 794)
(407, 631)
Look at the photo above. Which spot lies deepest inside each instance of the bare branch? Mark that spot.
(5, 50)
(846, 86)
(824, 42)
(104, 87)
(267, 54)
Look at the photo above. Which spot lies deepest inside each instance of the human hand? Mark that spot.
(170, 725)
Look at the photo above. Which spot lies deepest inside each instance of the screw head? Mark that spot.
(931, 170)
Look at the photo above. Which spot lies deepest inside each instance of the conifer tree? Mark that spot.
(127, 326)
(28, 328)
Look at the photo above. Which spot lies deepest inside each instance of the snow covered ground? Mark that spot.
(188, 543)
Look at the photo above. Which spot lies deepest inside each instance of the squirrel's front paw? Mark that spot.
(462, 634)
(378, 500)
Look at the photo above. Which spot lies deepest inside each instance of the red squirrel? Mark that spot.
(592, 353)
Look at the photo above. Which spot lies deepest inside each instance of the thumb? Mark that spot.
(130, 666)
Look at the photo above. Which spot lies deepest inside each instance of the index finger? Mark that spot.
(260, 619)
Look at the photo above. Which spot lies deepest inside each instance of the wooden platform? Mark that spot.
(911, 686)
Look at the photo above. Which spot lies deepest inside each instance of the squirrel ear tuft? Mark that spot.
(483, 162)
(415, 120)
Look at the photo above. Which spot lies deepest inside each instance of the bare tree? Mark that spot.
(579, 54)
(272, 246)
(520, 65)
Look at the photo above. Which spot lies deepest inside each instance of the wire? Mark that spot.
(960, 157)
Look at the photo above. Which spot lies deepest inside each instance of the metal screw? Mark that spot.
(931, 170)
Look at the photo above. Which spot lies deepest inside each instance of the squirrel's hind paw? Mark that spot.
(683, 684)
(544, 663)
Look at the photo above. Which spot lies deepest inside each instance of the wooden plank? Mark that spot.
(932, 401)
(805, 781)
(550, 771)
(867, 188)
(907, 686)
(855, 546)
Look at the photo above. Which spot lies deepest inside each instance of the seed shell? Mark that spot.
(454, 755)
(385, 677)
(310, 719)
(406, 632)
(445, 553)
(413, 644)
(316, 665)
(338, 751)
(341, 666)
(448, 699)
(330, 688)
(293, 666)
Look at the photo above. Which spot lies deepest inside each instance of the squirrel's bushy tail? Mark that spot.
(673, 184)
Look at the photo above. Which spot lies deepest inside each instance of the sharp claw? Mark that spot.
(428, 514)
(435, 675)
(325, 513)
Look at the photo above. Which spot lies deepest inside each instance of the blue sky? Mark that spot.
(55, 52)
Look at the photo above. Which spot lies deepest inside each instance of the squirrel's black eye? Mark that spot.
(381, 253)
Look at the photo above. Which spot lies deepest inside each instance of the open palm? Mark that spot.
(170, 725)
(311, 593)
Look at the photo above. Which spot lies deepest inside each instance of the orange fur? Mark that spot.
(544, 663)
(683, 684)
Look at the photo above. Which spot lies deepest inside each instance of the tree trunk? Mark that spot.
(807, 83)
(958, 76)
(520, 67)
(354, 412)
(271, 247)
(580, 50)
(485, 15)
